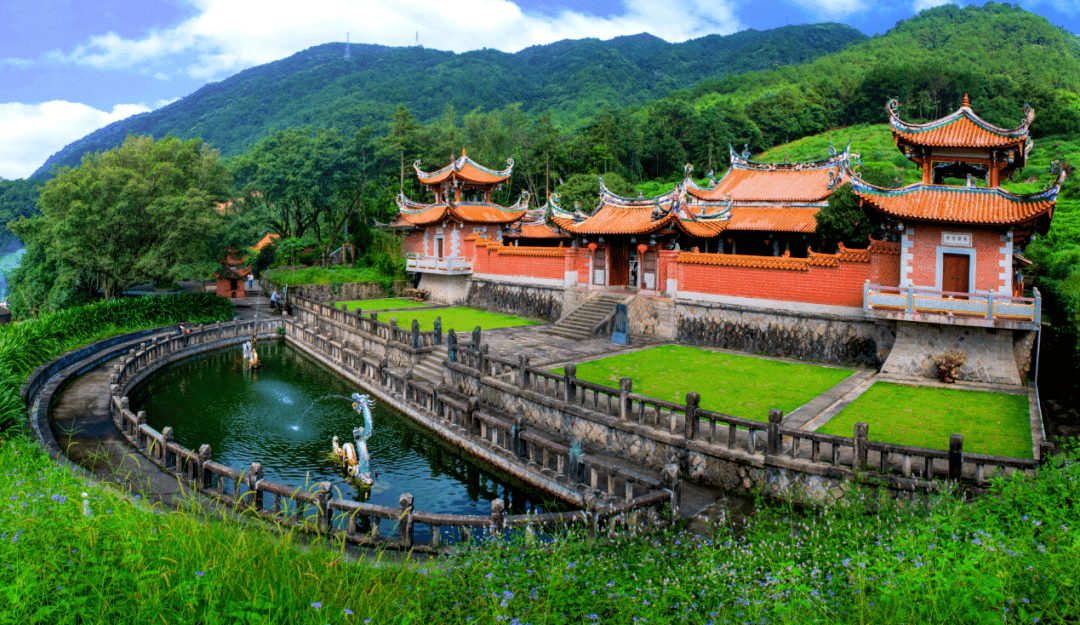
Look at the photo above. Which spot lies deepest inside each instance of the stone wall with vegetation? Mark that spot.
(536, 302)
(821, 337)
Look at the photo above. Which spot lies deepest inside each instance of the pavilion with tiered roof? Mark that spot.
(961, 234)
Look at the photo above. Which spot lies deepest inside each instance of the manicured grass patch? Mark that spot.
(743, 386)
(457, 319)
(379, 304)
(325, 275)
(924, 416)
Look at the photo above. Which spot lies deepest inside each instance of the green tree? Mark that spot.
(143, 211)
(845, 221)
(584, 189)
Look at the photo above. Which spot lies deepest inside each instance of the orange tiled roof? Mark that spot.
(622, 215)
(774, 218)
(883, 247)
(749, 181)
(701, 229)
(542, 231)
(534, 225)
(486, 213)
(754, 262)
(546, 252)
(412, 213)
(959, 205)
(267, 240)
(466, 170)
(963, 128)
(850, 255)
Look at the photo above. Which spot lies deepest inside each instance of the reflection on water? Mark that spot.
(284, 414)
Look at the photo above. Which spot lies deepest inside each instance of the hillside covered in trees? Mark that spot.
(571, 80)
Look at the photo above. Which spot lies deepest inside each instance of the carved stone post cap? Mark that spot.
(323, 487)
(692, 398)
(776, 415)
(498, 506)
(204, 451)
(861, 430)
(405, 500)
(670, 473)
(167, 432)
(256, 468)
(627, 384)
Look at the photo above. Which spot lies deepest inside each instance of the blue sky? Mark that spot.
(68, 67)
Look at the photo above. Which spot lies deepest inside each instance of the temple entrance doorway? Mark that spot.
(954, 272)
(620, 264)
(438, 247)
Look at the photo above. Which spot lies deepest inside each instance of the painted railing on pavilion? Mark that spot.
(911, 303)
(422, 262)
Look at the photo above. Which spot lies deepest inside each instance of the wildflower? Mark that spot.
(199, 573)
(316, 605)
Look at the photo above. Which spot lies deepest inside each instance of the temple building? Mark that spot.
(961, 237)
(737, 262)
(436, 231)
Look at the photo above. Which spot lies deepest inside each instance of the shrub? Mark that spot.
(949, 363)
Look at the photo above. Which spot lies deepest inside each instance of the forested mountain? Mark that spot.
(572, 80)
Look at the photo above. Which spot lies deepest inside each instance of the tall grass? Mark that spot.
(25, 346)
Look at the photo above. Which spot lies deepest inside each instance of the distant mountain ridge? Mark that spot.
(571, 79)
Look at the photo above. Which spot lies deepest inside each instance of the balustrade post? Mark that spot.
(405, 521)
(911, 300)
(569, 390)
(451, 346)
(775, 443)
(693, 400)
(482, 365)
(140, 438)
(476, 338)
(472, 424)
(498, 517)
(862, 430)
(956, 456)
(255, 473)
(168, 458)
(523, 374)
(204, 478)
(866, 295)
(322, 498)
(516, 444)
(125, 404)
(626, 386)
(990, 306)
(438, 330)
(672, 483)
(414, 339)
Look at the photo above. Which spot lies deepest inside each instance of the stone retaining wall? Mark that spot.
(820, 337)
(535, 302)
(349, 291)
(992, 355)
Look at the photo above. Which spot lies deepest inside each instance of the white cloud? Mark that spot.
(31, 133)
(229, 35)
(921, 5)
(834, 8)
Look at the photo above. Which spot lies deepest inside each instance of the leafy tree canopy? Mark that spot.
(143, 211)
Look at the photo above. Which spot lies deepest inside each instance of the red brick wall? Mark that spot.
(577, 260)
(413, 243)
(835, 286)
(520, 263)
(224, 288)
(884, 269)
(986, 243)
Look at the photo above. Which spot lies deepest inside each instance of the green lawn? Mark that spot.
(458, 319)
(379, 304)
(923, 416)
(743, 386)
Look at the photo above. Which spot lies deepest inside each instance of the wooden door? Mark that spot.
(620, 265)
(954, 272)
(439, 247)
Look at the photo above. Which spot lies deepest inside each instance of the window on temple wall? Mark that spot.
(438, 247)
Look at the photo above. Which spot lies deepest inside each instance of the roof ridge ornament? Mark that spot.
(746, 151)
(966, 103)
(832, 150)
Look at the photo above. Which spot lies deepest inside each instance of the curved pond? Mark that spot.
(284, 414)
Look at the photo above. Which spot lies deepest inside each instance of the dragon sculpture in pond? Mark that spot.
(354, 457)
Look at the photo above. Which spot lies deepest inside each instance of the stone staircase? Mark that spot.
(579, 323)
(431, 367)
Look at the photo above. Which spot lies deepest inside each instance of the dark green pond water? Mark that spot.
(284, 414)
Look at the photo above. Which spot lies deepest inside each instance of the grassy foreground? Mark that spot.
(992, 423)
(743, 386)
(1011, 557)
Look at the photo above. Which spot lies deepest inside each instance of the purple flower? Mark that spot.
(316, 605)
(199, 573)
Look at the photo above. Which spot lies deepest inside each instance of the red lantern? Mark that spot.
(592, 247)
(641, 248)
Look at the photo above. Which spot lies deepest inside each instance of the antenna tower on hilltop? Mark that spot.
(348, 55)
